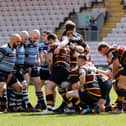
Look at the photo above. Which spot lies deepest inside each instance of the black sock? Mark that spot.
(12, 100)
(0, 102)
(49, 99)
(25, 98)
(18, 99)
(41, 101)
(4, 103)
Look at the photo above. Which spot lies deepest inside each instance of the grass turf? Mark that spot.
(34, 119)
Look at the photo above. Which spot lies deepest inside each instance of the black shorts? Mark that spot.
(58, 74)
(73, 79)
(123, 72)
(34, 72)
(3, 76)
(105, 87)
(13, 80)
(88, 98)
(20, 74)
(26, 68)
(44, 74)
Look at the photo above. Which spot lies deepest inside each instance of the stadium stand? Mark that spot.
(97, 59)
(113, 32)
(118, 33)
(17, 15)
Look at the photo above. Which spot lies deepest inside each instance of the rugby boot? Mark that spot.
(124, 107)
(118, 109)
(85, 111)
(60, 109)
(30, 108)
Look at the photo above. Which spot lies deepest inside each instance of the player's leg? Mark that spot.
(38, 87)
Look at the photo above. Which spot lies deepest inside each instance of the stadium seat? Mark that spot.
(21, 14)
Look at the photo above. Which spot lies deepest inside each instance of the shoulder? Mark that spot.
(64, 38)
(84, 67)
(4, 48)
(113, 52)
(41, 44)
(82, 71)
(76, 34)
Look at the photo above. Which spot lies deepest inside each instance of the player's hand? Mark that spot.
(57, 51)
(25, 84)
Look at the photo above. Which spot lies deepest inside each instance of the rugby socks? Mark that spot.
(118, 105)
(9, 90)
(121, 98)
(0, 103)
(121, 103)
(12, 101)
(4, 101)
(41, 101)
(49, 100)
(75, 101)
(15, 101)
(124, 105)
(63, 94)
(110, 108)
(25, 98)
(18, 100)
(54, 95)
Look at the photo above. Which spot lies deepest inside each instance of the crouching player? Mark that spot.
(89, 93)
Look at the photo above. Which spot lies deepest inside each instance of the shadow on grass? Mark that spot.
(26, 114)
(62, 115)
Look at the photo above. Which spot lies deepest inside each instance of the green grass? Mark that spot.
(33, 119)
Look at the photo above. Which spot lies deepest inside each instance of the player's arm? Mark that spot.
(77, 48)
(82, 76)
(112, 58)
(64, 42)
(2, 53)
(105, 72)
(75, 68)
(85, 46)
(86, 49)
(115, 67)
(38, 60)
(60, 45)
(42, 56)
(49, 60)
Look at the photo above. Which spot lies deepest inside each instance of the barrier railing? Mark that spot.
(92, 35)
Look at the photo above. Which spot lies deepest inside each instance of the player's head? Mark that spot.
(15, 40)
(35, 35)
(81, 59)
(103, 48)
(45, 36)
(70, 27)
(24, 36)
(52, 38)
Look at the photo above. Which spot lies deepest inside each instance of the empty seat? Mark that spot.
(28, 14)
